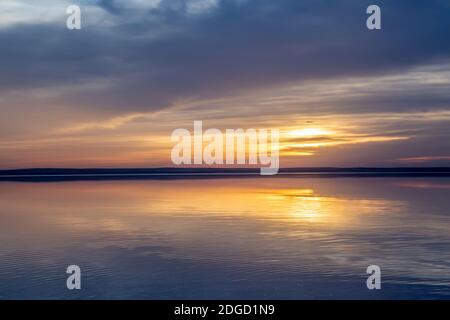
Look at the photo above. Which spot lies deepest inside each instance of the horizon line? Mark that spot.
(70, 174)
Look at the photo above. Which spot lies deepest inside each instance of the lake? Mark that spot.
(226, 238)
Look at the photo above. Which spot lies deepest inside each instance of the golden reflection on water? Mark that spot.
(124, 206)
(308, 205)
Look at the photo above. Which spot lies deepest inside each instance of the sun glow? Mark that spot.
(309, 132)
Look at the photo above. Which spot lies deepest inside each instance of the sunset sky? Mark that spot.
(110, 94)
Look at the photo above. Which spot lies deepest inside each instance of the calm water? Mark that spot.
(294, 238)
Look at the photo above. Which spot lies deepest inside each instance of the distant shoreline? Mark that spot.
(69, 174)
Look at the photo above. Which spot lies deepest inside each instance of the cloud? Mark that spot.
(235, 63)
(158, 55)
(108, 124)
(16, 12)
(424, 159)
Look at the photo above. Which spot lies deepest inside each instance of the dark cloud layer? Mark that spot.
(150, 58)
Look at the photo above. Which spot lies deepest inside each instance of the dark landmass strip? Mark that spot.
(61, 174)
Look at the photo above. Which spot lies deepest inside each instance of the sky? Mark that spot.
(110, 94)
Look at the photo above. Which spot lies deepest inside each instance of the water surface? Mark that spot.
(252, 238)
